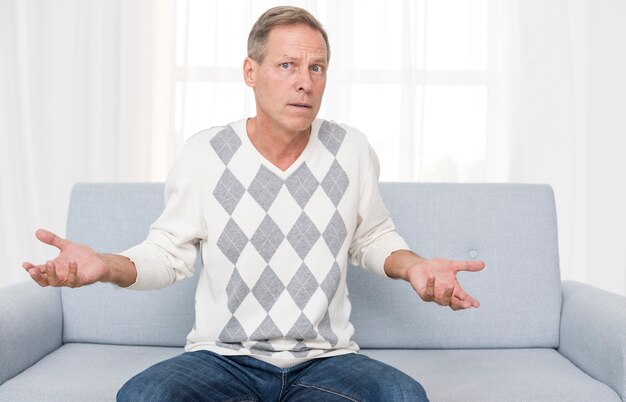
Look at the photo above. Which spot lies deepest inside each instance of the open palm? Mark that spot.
(64, 269)
(436, 280)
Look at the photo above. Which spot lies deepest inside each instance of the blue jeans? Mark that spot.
(206, 376)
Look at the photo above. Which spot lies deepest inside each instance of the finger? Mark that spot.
(446, 297)
(50, 238)
(429, 292)
(53, 278)
(72, 275)
(465, 299)
(475, 303)
(28, 266)
(459, 304)
(471, 266)
(38, 277)
(460, 293)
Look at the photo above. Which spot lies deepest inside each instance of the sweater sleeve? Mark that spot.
(171, 248)
(375, 237)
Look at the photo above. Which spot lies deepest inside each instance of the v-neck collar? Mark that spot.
(240, 128)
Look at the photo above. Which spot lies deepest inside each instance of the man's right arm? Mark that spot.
(167, 254)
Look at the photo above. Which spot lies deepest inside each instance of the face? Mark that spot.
(289, 84)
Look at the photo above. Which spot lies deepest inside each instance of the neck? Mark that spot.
(280, 148)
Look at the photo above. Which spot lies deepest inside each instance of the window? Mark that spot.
(411, 74)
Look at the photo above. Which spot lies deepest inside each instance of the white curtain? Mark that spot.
(85, 95)
(560, 95)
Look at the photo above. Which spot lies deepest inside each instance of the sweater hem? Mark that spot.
(280, 362)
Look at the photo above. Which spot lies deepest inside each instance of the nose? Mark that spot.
(304, 81)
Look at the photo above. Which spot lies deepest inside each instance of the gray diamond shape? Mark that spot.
(302, 184)
(335, 183)
(265, 187)
(303, 235)
(233, 346)
(228, 191)
(300, 350)
(232, 241)
(267, 238)
(225, 143)
(237, 290)
(335, 234)
(302, 286)
(262, 348)
(268, 289)
(267, 330)
(326, 331)
(331, 282)
(302, 329)
(331, 135)
(233, 332)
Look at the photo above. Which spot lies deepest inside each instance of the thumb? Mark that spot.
(50, 238)
(472, 266)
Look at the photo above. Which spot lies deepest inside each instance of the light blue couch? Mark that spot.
(533, 339)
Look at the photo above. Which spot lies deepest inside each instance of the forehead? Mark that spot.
(293, 40)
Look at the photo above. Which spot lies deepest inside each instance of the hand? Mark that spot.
(64, 269)
(435, 280)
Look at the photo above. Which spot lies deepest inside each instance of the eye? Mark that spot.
(316, 69)
(285, 65)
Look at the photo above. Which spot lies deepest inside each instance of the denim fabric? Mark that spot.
(206, 376)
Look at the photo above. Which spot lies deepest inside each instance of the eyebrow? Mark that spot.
(317, 60)
(320, 61)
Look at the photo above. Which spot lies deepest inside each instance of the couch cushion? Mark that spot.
(86, 372)
(512, 227)
(497, 375)
(82, 372)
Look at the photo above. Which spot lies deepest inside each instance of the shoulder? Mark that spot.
(335, 135)
(207, 149)
(214, 141)
(349, 147)
(213, 135)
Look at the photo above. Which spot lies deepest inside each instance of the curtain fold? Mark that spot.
(85, 95)
(559, 103)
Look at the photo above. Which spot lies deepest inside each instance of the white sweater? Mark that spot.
(274, 243)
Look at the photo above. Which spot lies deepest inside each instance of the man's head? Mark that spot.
(280, 16)
(286, 68)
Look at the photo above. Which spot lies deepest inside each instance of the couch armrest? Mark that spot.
(31, 324)
(593, 333)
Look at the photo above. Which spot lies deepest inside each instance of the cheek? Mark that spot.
(268, 98)
(320, 87)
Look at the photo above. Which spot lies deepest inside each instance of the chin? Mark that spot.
(300, 124)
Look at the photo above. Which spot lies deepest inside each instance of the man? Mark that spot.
(277, 202)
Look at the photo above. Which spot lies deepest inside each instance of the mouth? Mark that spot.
(301, 105)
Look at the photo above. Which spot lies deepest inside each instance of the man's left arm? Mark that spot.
(377, 246)
(433, 279)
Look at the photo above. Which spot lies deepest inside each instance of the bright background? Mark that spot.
(524, 91)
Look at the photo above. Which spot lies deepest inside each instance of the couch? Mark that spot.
(534, 338)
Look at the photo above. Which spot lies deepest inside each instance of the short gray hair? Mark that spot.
(277, 16)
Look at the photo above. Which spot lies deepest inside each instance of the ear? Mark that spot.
(249, 72)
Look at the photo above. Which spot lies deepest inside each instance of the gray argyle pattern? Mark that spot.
(268, 289)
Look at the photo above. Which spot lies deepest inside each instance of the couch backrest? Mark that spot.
(510, 226)
(112, 218)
